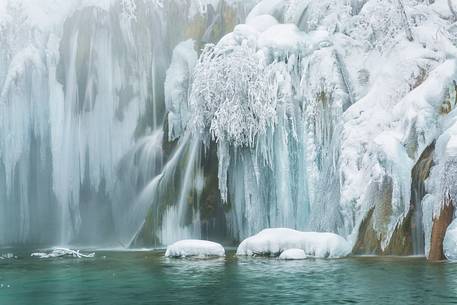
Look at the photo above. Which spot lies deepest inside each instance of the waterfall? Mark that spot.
(420, 173)
(82, 109)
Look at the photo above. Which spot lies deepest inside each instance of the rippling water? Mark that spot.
(148, 278)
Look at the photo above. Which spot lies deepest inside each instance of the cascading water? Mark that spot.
(420, 173)
(82, 105)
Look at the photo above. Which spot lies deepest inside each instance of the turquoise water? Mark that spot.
(148, 278)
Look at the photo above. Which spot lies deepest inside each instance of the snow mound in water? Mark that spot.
(274, 241)
(293, 254)
(191, 247)
(450, 242)
(62, 252)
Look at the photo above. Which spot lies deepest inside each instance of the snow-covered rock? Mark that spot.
(193, 247)
(314, 244)
(293, 254)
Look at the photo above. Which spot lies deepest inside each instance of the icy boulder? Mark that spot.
(274, 241)
(191, 247)
(293, 254)
(450, 242)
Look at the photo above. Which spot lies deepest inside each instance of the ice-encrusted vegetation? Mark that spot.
(233, 95)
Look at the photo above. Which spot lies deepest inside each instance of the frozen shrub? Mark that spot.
(233, 95)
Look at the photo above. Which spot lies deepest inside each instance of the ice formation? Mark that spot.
(450, 242)
(341, 133)
(144, 122)
(274, 241)
(293, 254)
(191, 247)
(62, 252)
(82, 108)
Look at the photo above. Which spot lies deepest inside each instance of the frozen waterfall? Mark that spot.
(137, 123)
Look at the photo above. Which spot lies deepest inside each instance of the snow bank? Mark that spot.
(275, 241)
(293, 254)
(192, 247)
(62, 252)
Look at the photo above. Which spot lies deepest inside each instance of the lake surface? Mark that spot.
(149, 278)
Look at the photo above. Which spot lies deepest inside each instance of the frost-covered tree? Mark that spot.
(233, 95)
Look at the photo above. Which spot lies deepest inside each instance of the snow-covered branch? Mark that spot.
(233, 95)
